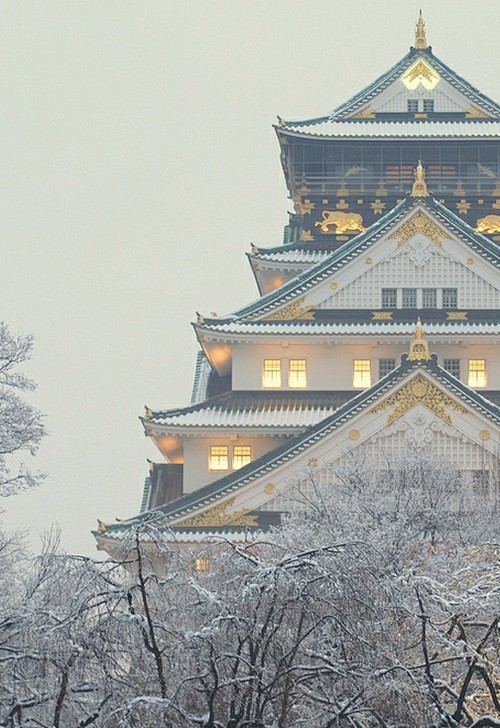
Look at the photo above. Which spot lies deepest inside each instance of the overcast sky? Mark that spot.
(138, 163)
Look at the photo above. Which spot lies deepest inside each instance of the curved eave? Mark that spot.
(255, 330)
(363, 97)
(343, 255)
(394, 130)
(213, 492)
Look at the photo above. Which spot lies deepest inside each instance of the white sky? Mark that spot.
(138, 163)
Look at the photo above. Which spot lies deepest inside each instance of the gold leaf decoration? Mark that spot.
(220, 515)
(420, 223)
(419, 391)
(488, 224)
(382, 316)
(366, 113)
(474, 113)
(456, 315)
(295, 310)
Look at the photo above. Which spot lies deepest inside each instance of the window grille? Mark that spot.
(271, 374)
(219, 459)
(452, 366)
(389, 297)
(361, 378)
(450, 298)
(385, 366)
(297, 373)
(428, 105)
(413, 105)
(242, 455)
(477, 373)
(409, 299)
(429, 298)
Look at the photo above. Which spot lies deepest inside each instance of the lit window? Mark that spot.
(477, 373)
(242, 454)
(452, 366)
(429, 298)
(271, 373)
(219, 459)
(201, 564)
(385, 366)
(297, 376)
(450, 298)
(361, 378)
(409, 298)
(389, 297)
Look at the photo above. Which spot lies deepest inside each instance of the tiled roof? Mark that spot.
(399, 129)
(279, 410)
(352, 248)
(292, 254)
(364, 96)
(294, 445)
(329, 328)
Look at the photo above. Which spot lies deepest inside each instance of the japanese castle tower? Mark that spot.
(376, 325)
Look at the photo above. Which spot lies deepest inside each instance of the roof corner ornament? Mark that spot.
(420, 36)
(419, 188)
(281, 122)
(419, 348)
(101, 526)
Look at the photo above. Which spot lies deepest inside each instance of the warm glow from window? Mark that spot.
(477, 373)
(201, 564)
(218, 457)
(297, 375)
(361, 378)
(242, 454)
(271, 373)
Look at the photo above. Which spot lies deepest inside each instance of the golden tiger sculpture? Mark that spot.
(488, 224)
(343, 221)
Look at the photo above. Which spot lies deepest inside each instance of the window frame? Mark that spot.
(212, 456)
(477, 377)
(359, 374)
(297, 374)
(245, 460)
(268, 371)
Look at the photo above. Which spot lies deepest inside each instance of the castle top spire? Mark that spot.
(420, 37)
(419, 348)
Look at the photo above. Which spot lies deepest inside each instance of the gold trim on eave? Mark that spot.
(295, 310)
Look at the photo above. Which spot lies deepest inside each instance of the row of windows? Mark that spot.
(419, 297)
(272, 374)
(425, 105)
(220, 455)
(476, 373)
(362, 372)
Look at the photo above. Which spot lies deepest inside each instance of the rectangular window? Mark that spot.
(450, 298)
(219, 459)
(242, 454)
(361, 378)
(452, 366)
(413, 105)
(428, 105)
(297, 374)
(477, 373)
(201, 564)
(389, 297)
(385, 366)
(429, 298)
(409, 299)
(271, 374)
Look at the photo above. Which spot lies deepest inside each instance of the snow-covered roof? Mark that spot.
(398, 129)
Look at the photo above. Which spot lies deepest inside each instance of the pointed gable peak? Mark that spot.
(420, 36)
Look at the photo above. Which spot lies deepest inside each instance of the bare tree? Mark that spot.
(21, 426)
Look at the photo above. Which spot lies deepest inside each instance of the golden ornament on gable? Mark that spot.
(221, 515)
(420, 223)
(295, 310)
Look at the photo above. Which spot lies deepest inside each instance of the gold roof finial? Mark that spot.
(420, 37)
(419, 348)
(419, 188)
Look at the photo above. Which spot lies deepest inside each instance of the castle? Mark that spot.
(376, 325)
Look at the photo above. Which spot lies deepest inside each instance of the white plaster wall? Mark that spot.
(329, 366)
(197, 450)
